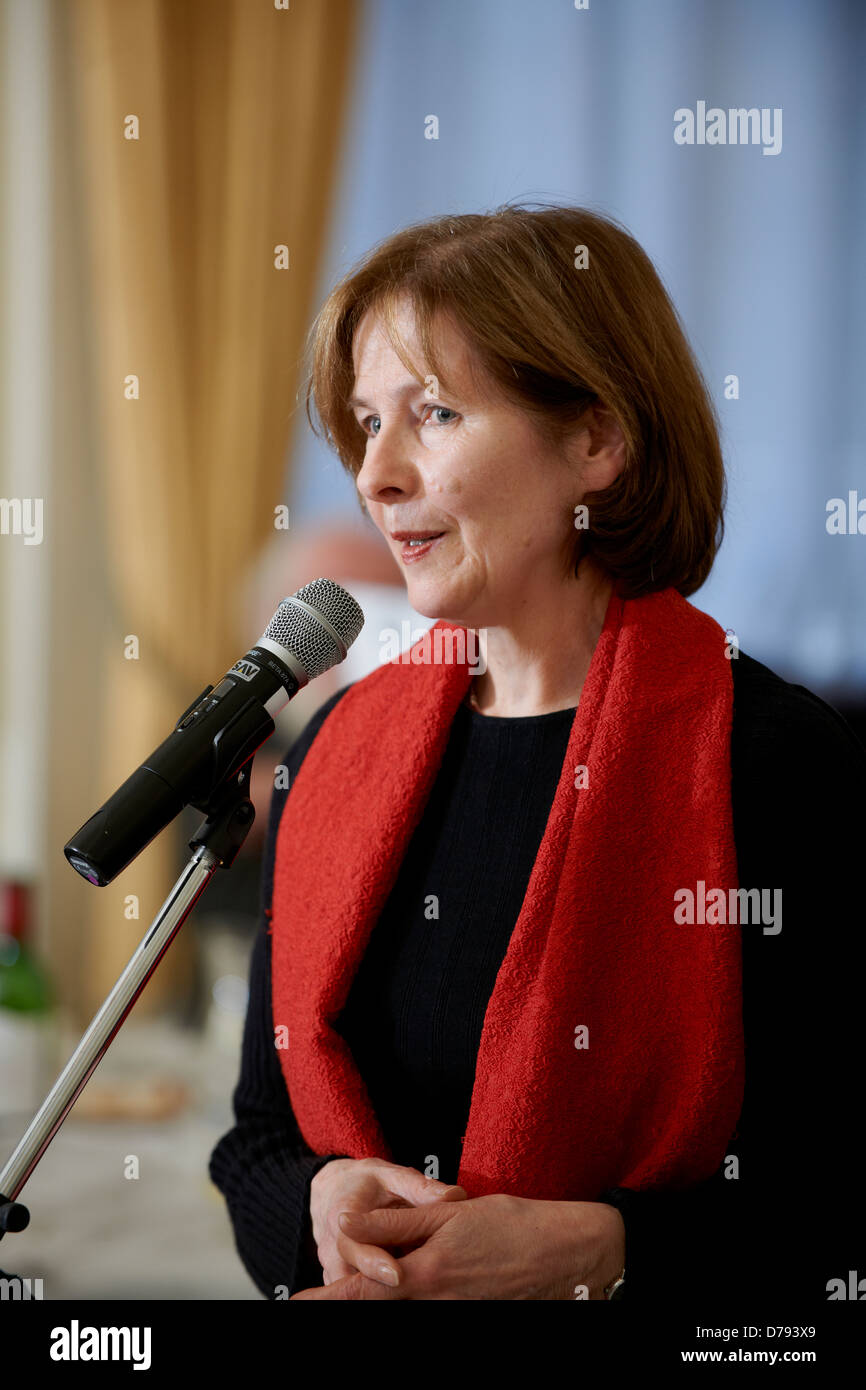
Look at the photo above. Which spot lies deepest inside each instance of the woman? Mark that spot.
(528, 1019)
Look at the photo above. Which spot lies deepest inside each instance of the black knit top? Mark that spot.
(771, 1217)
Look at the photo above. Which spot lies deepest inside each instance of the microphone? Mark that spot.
(310, 632)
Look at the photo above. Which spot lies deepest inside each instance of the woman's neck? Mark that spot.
(540, 665)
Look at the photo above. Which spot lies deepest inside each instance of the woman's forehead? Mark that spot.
(374, 349)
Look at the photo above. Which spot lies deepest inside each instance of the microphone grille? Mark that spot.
(306, 636)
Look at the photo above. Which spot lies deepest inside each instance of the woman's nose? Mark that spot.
(385, 470)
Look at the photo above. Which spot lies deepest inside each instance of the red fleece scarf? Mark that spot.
(655, 1096)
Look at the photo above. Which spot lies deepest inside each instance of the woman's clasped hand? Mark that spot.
(385, 1231)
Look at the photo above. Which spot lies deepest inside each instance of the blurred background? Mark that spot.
(182, 181)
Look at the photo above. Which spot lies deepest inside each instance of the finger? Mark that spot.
(333, 1268)
(417, 1281)
(393, 1225)
(355, 1288)
(370, 1260)
(415, 1188)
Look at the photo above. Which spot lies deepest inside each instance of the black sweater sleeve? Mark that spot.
(262, 1166)
(790, 1217)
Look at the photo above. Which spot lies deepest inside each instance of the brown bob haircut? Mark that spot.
(553, 339)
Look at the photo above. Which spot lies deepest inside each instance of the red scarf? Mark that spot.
(655, 1097)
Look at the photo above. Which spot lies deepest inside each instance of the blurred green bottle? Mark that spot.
(26, 1007)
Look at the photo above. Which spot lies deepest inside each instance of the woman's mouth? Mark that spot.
(418, 546)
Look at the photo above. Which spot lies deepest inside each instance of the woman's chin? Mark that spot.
(436, 602)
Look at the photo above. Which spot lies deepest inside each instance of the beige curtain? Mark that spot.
(235, 109)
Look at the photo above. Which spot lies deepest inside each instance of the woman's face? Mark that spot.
(467, 468)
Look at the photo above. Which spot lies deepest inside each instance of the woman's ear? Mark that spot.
(598, 448)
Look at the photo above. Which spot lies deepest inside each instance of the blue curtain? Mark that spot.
(763, 254)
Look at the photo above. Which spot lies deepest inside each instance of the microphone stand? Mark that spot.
(229, 815)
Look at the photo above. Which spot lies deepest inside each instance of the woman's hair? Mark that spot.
(562, 309)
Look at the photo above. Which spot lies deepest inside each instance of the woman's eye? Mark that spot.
(372, 424)
(442, 410)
